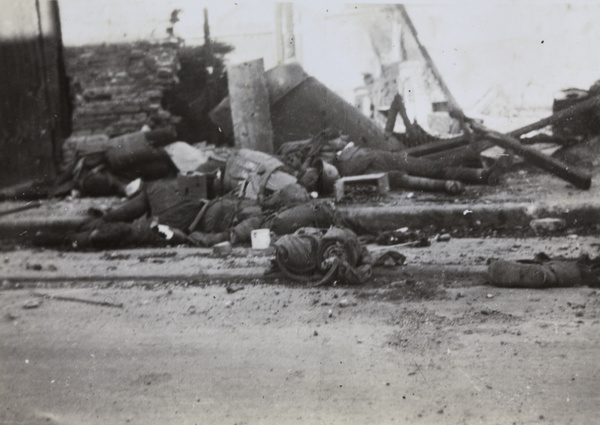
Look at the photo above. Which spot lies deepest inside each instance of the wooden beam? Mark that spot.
(250, 110)
(455, 108)
(569, 112)
(578, 178)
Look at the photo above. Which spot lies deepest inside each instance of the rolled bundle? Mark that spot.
(146, 162)
(307, 255)
(551, 274)
(296, 254)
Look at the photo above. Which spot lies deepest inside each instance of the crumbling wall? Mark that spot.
(118, 88)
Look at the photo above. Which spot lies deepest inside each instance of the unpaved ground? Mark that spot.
(401, 351)
(200, 264)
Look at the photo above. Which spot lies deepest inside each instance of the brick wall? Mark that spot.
(118, 88)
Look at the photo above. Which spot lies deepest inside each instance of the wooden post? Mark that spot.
(279, 33)
(211, 85)
(250, 110)
(285, 40)
(289, 36)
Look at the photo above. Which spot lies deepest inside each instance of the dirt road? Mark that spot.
(392, 352)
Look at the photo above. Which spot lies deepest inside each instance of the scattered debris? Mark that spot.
(233, 289)
(379, 179)
(444, 237)
(160, 255)
(28, 206)
(222, 249)
(104, 303)
(261, 238)
(547, 225)
(30, 304)
(114, 256)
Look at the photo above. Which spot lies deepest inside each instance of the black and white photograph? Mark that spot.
(312, 212)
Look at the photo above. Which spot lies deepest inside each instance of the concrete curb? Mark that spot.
(514, 215)
(65, 216)
(51, 215)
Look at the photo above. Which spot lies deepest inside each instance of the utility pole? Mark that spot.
(209, 66)
(285, 39)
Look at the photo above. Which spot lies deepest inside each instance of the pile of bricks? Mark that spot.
(118, 88)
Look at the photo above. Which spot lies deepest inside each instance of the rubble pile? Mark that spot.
(118, 88)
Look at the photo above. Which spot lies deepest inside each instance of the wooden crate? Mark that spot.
(378, 179)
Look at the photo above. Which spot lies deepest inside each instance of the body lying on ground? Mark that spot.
(160, 215)
(354, 160)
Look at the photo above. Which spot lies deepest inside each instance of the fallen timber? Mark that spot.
(578, 178)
